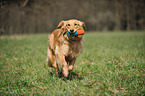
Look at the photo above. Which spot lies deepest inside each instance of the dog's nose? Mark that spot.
(72, 30)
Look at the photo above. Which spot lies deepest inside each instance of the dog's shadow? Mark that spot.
(72, 75)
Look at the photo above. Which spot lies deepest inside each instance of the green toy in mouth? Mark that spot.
(78, 32)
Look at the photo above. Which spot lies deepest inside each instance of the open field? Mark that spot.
(111, 64)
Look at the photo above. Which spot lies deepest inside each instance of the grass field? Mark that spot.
(111, 64)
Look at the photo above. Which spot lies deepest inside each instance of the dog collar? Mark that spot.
(72, 34)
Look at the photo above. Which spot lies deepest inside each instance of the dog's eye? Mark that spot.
(68, 24)
(76, 24)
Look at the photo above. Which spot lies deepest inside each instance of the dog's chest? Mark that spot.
(72, 49)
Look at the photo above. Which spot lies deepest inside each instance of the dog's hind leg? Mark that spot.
(51, 60)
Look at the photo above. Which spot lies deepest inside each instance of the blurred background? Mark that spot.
(43, 16)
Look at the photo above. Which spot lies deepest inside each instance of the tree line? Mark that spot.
(38, 16)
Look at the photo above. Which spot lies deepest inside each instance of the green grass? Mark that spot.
(111, 64)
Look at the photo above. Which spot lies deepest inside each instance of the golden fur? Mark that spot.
(63, 50)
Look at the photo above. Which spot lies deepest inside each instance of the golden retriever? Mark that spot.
(63, 50)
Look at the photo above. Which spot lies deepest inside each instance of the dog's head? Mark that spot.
(71, 26)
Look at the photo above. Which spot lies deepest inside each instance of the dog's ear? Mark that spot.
(61, 24)
(84, 26)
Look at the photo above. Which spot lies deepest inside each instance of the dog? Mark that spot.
(63, 50)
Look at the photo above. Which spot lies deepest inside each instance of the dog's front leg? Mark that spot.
(71, 64)
(61, 61)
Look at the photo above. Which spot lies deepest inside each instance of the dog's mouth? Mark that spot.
(72, 35)
(73, 38)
